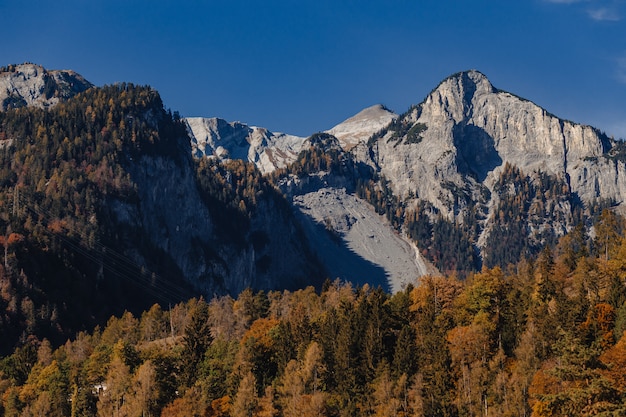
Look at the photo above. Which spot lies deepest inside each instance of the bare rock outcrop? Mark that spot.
(216, 137)
(360, 127)
(32, 85)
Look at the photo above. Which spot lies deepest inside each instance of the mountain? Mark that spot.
(461, 150)
(32, 85)
(352, 241)
(360, 127)
(466, 131)
(460, 165)
(109, 201)
(219, 138)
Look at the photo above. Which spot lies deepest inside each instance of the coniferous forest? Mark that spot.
(535, 330)
(542, 338)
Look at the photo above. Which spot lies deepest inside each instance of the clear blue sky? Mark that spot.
(301, 66)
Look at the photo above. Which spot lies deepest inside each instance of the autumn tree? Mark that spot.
(432, 303)
(573, 384)
(196, 341)
(153, 324)
(113, 400)
(609, 228)
(143, 391)
(301, 389)
(246, 400)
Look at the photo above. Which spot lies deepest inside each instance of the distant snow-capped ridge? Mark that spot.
(32, 85)
(270, 151)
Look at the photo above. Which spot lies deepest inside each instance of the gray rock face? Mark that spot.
(171, 213)
(459, 139)
(356, 244)
(172, 216)
(32, 85)
(215, 137)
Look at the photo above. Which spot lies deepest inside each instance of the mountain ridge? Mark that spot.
(213, 207)
(447, 154)
(215, 137)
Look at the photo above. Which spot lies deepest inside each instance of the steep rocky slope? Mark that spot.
(452, 149)
(120, 216)
(357, 245)
(351, 240)
(265, 251)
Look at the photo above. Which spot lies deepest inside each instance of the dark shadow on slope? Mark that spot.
(476, 152)
(339, 260)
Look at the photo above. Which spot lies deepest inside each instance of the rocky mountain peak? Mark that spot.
(358, 128)
(470, 78)
(454, 97)
(468, 83)
(32, 85)
(450, 152)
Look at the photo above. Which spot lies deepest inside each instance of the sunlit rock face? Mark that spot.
(214, 137)
(451, 149)
(32, 85)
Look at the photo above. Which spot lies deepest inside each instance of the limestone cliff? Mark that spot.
(216, 137)
(451, 149)
(32, 85)
(173, 216)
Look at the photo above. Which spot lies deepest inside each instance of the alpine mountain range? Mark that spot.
(471, 176)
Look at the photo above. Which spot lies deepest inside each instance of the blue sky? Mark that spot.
(301, 66)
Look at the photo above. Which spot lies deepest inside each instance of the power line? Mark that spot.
(109, 259)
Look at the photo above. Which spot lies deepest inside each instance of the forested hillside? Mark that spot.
(59, 169)
(102, 209)
(543, 337)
